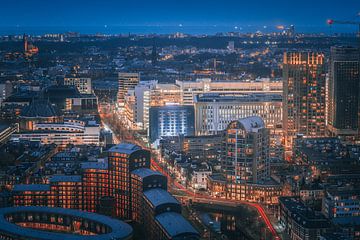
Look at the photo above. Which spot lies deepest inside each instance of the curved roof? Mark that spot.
(120, 230)
(250, 124)
(146, 172)
(159, 197)
(127, 148)
(176, 225)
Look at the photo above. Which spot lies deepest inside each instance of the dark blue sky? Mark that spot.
(173, 12)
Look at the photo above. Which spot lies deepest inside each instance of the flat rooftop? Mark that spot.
(303, 215)
(238, 98)
(127, 148)
(31, 187)
(146, 172)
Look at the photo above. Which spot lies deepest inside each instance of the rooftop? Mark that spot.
(175, 224)
(238, 98)
(159, 196)
(127, 148)
(146, 172)
(249, 124)
(39, 108)
(119, 229)
(303, 215)
(65, 178)
(94, 165)
(31, 187)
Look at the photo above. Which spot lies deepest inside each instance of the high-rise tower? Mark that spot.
(127, 81)
(344, 90)
(303, 95)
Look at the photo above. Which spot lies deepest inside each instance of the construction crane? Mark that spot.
(331, 22)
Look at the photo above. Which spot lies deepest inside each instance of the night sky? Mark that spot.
(174, 12)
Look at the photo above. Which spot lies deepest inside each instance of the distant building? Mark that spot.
(127, 81)
(214, 111)
(304, 95)
(231, 46)
(83, 84)
(5, 90)
(137, 105)
(6, 131)
(172, 120)
(165, 94)
(344, 91)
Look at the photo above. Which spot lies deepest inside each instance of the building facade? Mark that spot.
(246, 151)
(171, 120)
(41, 223)
(83, 84)
(304, 95)
(214, 112)
(344, 91)
(127, 81)
(123, 159)
(190, 89)
(70, 131)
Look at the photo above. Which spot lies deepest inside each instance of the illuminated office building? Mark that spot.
(123, 159)
(171, 120)
(127, 81)
(165, 94)
(344, 91)
(190, 89)
(214, 111)
(304, 95)
(137, 105)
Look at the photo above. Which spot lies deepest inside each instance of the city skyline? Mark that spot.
(164, 120)
(199, 17)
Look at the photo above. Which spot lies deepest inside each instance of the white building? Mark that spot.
(71, 131)
(127, 81)
(199, 177)
(137, 104)
(214, 112)
(190, 89)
